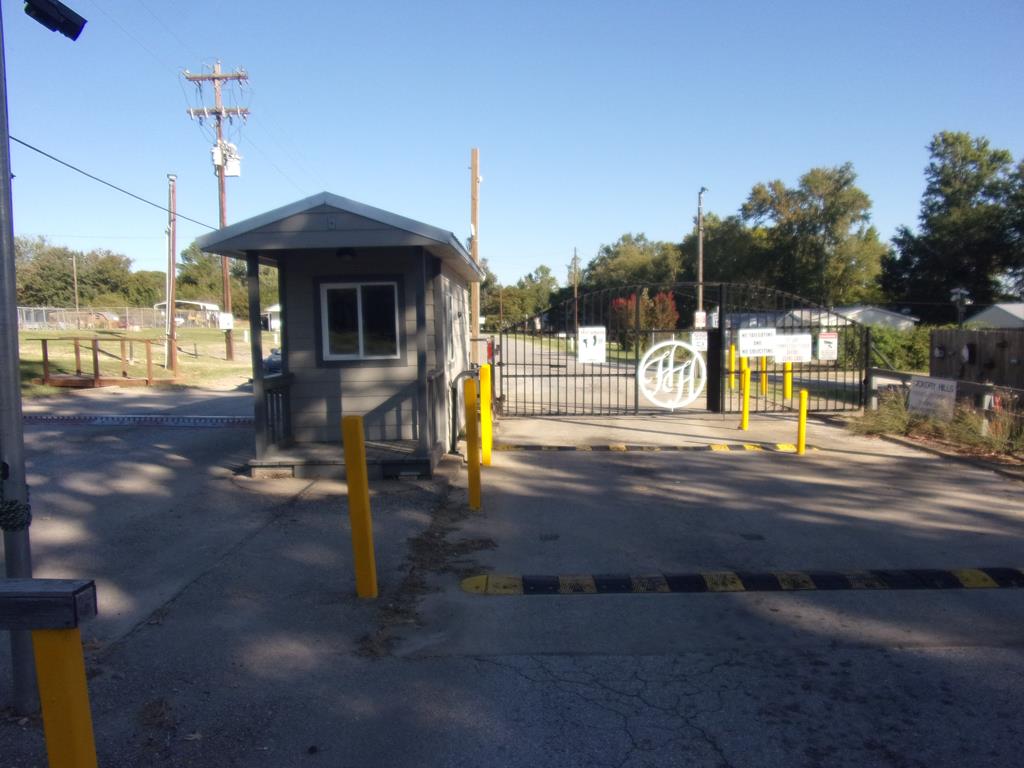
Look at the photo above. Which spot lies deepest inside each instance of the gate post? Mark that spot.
(636, 352)
(868, 400)
(716, 343)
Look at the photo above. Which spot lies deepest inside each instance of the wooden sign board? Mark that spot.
(932, 397)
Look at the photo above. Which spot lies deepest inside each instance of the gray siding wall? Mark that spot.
(384, 394)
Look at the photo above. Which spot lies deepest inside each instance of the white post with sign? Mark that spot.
(793, 348)
(592, 344)
(755, 342)
(828, 346)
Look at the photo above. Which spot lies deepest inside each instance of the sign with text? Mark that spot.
(591, 344)
(793, 348)
(699, 341)
(932, 397)
(828, 345)
(755, 342)
(700, 320)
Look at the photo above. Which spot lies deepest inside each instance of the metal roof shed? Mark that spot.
(375, 322)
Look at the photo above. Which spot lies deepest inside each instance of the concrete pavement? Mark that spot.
(234, 637)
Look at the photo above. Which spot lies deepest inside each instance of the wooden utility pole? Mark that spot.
(172, 249)
(220, 157)
(474, 289)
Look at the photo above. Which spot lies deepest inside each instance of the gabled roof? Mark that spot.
(1005, 315)
(854, 310)
(330, 221)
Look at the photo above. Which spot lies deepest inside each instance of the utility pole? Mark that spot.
(221, 154)
(700, 249)
(474, 289)
(576, 289)
(172, 249)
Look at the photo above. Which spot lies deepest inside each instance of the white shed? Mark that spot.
(1010, 315)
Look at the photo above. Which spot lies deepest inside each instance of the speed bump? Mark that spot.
(631, 448)
(744, 581)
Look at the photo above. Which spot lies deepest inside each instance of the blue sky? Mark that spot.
(592, 118)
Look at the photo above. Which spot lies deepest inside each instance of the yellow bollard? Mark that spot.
(472, 443)
(732, 366)
(359, 505)
(801, 425)
(486, 429)
(787, 381)
(67, 721)
(745, 417)
(764, 374)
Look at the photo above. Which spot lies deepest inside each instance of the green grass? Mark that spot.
(1001, 432)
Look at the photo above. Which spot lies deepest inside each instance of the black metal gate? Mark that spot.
(542, 367)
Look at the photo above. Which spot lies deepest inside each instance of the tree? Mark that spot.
(44, 276)
(632, 260)
(733, 252)
(199, 276)
(146, 288)
(818, 241)
(970, 228)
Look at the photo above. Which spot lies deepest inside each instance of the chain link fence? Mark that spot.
(107, 318)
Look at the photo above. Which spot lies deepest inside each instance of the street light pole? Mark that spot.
(15, 515)
(700, 249)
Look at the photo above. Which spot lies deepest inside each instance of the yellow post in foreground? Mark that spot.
(732, 366)
(486, 429)
(67, 721)
(787, 381)
(359, 505)
(745, 416)
(764, 374)
(472, 442)
(801, 425)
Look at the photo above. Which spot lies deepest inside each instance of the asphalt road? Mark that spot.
(231, 635)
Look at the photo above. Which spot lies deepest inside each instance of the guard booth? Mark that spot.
(374, 322)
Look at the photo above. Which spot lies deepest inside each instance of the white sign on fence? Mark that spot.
(591, 344)
(699, 341)
(700, 320)
(755, 342)
(793, 348)
(932, 397)
(828, 345)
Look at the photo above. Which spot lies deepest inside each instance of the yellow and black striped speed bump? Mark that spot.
(744, 581)
(623, 447)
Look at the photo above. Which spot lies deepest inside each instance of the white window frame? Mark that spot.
(325, 335)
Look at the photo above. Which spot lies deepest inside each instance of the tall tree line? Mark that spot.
(815, 239)
(45, 278)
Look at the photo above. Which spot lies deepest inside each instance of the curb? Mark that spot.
(1000, 469)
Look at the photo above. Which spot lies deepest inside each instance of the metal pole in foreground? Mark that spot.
(700, 249)
(15, 516)
(357, 479)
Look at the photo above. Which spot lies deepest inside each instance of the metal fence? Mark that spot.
(105, 318)
(540, 372)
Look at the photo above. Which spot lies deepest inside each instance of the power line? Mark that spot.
(107, 183)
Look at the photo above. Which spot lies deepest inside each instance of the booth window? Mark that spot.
(359, 321)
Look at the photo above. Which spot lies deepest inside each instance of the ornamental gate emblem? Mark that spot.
(672, 375)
